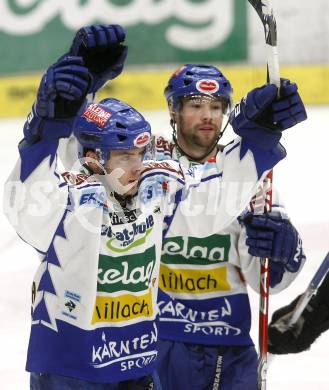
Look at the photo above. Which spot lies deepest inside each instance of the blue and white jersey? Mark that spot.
(94, 295)
(203, 296)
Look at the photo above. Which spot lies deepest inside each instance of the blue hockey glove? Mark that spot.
(288, 110)
(271, 235)
(60, 96)
(261, 116)
(102, 50)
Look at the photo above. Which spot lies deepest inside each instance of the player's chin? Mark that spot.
(132, 188)
(133, 191)
(206, 140)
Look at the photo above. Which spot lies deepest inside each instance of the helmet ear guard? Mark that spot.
(172, 112)
(92, 160)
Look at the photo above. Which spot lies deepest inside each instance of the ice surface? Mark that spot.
(303, 181)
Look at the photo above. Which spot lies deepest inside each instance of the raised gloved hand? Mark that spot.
(271, 235)
(313, 321)
(103, 52)
(261, 116)
(60, 96)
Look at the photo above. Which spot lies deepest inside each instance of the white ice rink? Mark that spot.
(303, 181)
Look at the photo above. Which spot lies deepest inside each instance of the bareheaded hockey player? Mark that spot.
(99, 231)
(204, 308)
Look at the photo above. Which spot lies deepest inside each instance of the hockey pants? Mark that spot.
(59, 382)
(184, 366)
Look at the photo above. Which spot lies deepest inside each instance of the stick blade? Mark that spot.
(258, 5)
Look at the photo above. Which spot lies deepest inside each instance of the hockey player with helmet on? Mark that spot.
(99, 231)
(313, 321)
(204, 308)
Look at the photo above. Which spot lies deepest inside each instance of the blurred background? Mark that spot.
(162, 35)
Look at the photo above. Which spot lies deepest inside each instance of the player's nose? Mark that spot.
(137, 167)
(205, 112)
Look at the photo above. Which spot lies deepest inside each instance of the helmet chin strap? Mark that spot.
(88, 169)
(122, 199)
(193, 158)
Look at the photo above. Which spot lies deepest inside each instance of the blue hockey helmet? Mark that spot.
(194, 79)
(111, 125)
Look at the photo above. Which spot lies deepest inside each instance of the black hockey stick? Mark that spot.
(264, 196)
(265, 13)
(310, 291)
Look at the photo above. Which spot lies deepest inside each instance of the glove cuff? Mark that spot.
(32, 127)
(37, 128)
(258, 134)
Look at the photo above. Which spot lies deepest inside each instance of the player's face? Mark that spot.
(124, 168)
(200, 120)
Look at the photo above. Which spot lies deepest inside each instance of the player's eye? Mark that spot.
(216, 107)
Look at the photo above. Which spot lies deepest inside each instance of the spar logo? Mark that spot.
(208, 86)
(142, 140)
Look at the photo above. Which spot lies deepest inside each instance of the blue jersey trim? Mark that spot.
(33, 155)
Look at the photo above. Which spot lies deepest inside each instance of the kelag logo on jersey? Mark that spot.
(130, 274)
(195, 251)
(191, 250)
